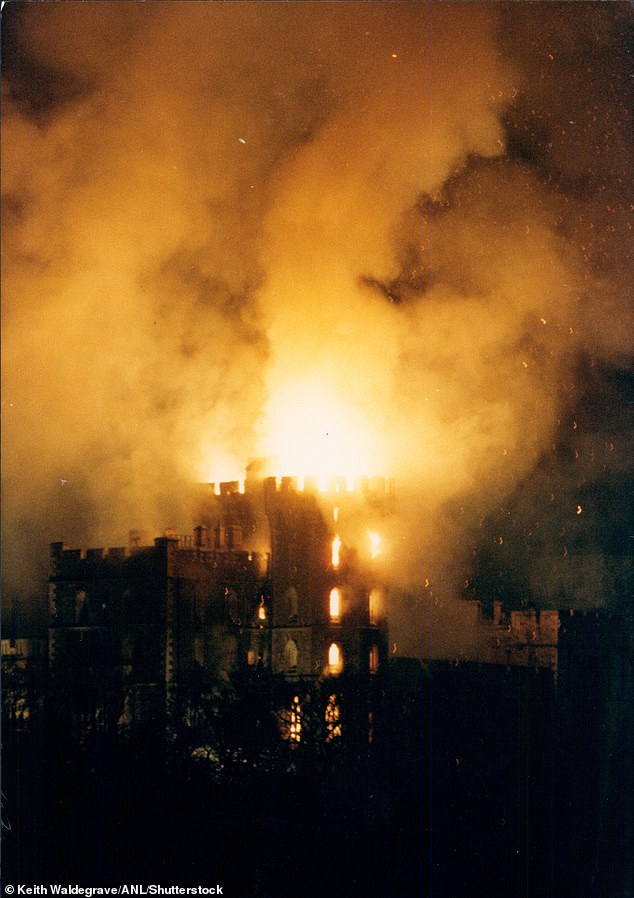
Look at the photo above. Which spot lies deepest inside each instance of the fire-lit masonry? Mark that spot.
(263, 587)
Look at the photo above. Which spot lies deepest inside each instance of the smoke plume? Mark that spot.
(419, 209)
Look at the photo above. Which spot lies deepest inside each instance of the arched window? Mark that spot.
(291, 654)
(292, 604)
(374, 605)
(81, 615)
(335, 661)
(373, 659)
(335, 604)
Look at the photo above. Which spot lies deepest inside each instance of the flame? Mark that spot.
(375, 543)
(312, 431)
(336, 550)
(295, 729)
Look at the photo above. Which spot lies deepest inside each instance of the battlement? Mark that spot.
(326, 486)
(223, 554)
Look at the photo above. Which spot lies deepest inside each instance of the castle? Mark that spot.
(263, 588)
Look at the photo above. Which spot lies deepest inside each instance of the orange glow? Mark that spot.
(375, 543)
(336, 550)
(335, 662)
(262, 611)
(335, 604)
(295, 729)
(312, 431)
(332, 717)
(375, 605)
(335, 515)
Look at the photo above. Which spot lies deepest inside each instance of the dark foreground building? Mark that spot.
(220, 708)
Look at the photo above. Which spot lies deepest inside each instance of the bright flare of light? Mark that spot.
(335, 554)
(375, 543)
(311, 430)
(335, 604)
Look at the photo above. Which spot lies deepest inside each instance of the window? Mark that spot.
(335, 604)
(80, 607)
(336, 552)
(373, 659)
(251, 657)
(332, 717)
(291, 604)
(374, 605)
(291, 654)
(335, 661)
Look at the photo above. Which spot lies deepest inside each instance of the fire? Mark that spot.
(312, 431)
(336, 550)
(295, 729)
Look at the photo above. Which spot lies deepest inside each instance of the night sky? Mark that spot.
(407, 225)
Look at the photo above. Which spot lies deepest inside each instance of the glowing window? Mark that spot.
(374, 659)
(332, 717)
(335, 661)
(261, 610)
(336, 550)
(374, 605)
(335, 604)
(251, 657)
(295, 726)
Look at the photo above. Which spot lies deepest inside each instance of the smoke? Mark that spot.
(418, 207)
